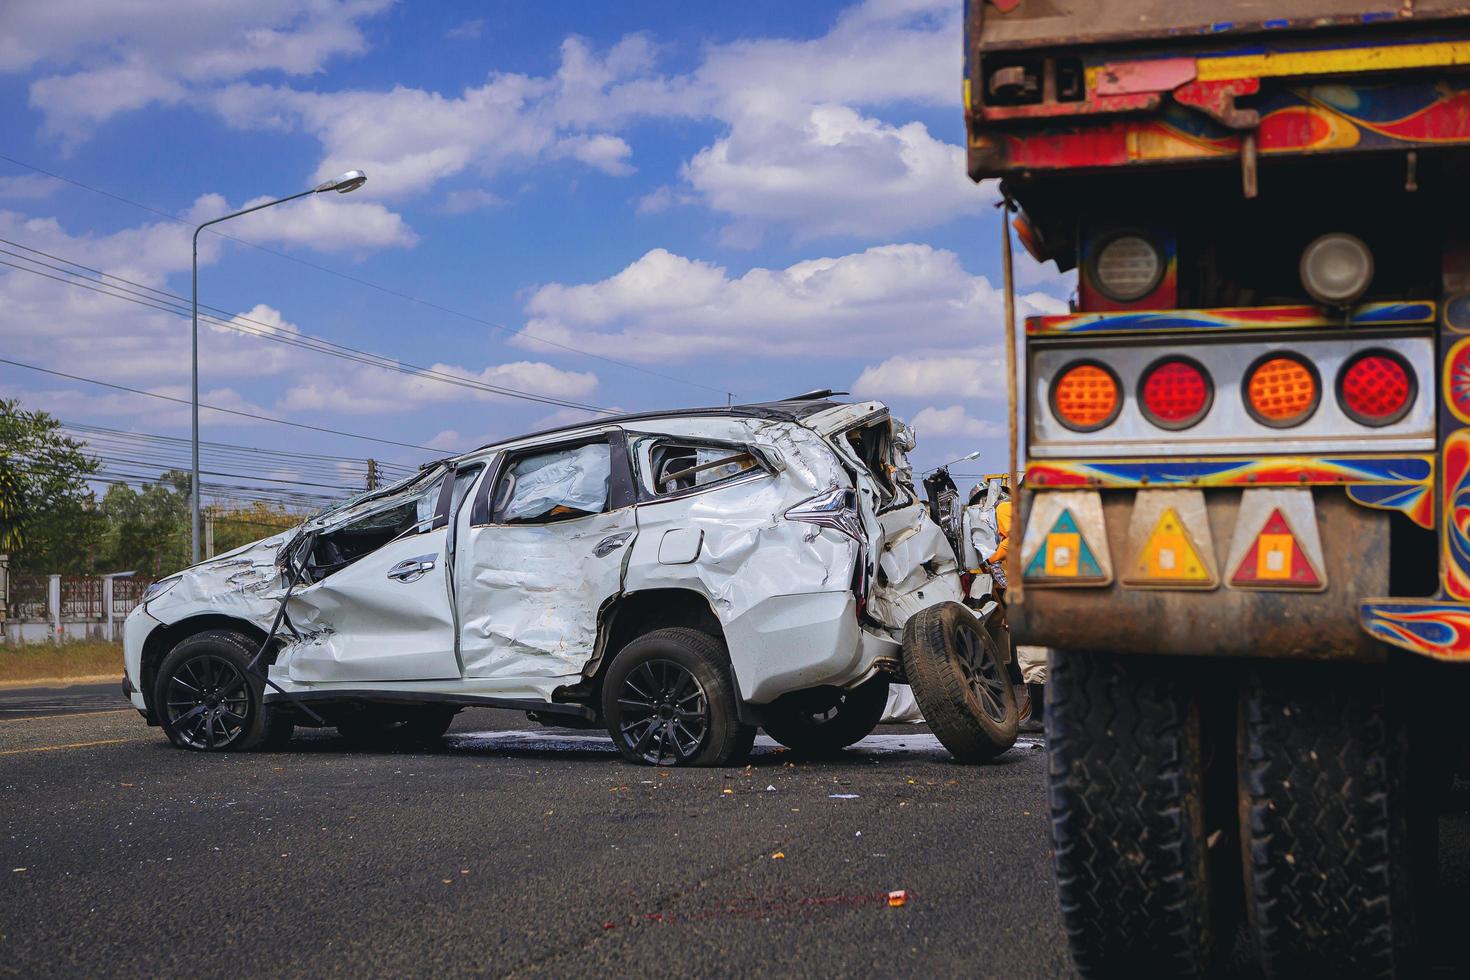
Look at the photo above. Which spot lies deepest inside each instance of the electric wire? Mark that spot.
(217, 408)
(177, 305)
(372, 285)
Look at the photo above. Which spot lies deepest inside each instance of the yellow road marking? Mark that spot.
(70, 745)
(66, 714)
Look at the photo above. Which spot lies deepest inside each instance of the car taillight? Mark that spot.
(1376, 388)
(1175, 393)
(1085, 396)
(837, 509)
(1281, 390)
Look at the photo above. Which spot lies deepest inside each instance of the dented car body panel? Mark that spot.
(496, 574)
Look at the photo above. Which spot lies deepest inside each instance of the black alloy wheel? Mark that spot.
(208, 702)
(983, 675)
(665, 713)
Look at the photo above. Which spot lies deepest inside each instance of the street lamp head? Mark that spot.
(346, 183)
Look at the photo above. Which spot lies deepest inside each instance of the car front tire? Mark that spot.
(208, 701)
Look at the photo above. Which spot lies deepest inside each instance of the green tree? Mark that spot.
(47, 515)
(240, 525)
(147, 529)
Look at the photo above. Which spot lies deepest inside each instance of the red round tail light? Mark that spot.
(1376, 388)
(1175, 393)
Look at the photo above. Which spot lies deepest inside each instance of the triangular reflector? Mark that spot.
(1064, 554)
(1170, 556)
(1276, 560)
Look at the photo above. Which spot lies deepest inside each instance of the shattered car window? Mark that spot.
(676, 468)
(555, 486)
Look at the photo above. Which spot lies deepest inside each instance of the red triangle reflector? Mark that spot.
(1276, 560)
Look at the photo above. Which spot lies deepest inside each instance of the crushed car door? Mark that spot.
(380, 608)
(542, 550)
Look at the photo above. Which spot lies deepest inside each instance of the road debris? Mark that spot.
(898, 898)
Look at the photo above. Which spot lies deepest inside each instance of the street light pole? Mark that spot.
(350, 181)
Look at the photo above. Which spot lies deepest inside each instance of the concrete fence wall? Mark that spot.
(58, 608)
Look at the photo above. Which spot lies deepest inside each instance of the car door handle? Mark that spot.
(611, 543)
(413, 569)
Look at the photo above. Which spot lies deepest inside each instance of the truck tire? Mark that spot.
(669, 699)
(206, 699)
(1327, 821)
(960, 683)
(1127, 816)
(826, 721)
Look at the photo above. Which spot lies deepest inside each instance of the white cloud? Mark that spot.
(27, 187)
(466, 200)
(954, 421)
(99, 59)
(602, 152)
(667, 307)
(470, 30)
(833, 171)
(370, 391)
(964, 374)
(325, 222)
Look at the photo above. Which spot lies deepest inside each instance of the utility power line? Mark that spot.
(217, 408)
(177, 305)
(372, 285)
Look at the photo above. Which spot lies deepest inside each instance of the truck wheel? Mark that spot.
(826, 720)
(411, 726)
(669, 699)
(1127, 822)
(961, 686)
(206, 699)
(1326, 809)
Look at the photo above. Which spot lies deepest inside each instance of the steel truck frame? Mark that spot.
(1245, 521)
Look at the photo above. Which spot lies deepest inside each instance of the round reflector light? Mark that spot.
(1337, 268)
(1086, 396)
(1127, 268)
(1281, 390)
(1376, 388)
(1175, 393)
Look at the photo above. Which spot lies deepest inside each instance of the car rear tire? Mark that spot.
(669, 699)
(386, 728)
(1127, 816)
(1330, 823)
(960, 682)
(206, 699)
(826, 720)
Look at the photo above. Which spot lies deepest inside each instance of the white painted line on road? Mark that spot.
(917, 744)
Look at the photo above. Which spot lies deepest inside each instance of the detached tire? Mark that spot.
(1126, 784)
(669, 699)
(960, 683)
(207, 701)
(824, 722)
(1326, 820)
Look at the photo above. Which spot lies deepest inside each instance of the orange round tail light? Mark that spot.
(1175, 393)
(1282, 390)
(1376, 388)
(1085, 396)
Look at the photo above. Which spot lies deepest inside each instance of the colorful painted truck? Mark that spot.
(1245, 522)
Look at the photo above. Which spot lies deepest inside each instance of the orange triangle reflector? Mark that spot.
(1276, 560)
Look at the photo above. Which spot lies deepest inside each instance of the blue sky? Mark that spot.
(656, 202)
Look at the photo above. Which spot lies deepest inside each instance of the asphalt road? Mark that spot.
(521, 851)
(514, 851)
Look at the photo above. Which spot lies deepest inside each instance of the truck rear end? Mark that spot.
(1243, 522)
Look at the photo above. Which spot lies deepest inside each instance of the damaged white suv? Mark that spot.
(680, 577)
